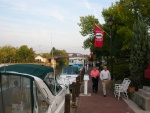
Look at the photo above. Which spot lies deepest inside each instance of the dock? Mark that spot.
(97, 103)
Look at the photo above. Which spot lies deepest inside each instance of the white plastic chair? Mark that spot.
(122, 88)
(124, 81)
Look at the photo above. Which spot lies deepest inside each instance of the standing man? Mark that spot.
(105, 77)
(95, 78)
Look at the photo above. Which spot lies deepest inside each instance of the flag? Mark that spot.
(99, 36)
(91, 56)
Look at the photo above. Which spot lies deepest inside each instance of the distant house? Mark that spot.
(40, 59)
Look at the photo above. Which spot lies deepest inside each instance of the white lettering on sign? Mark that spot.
(99, 35)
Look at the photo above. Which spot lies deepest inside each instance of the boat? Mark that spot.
(30, 88)
(77, 61)
(68, 76)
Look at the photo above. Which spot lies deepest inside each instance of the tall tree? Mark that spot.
(124, 13)
(46, 55)
(140, 48)
(7, 54)
(87, 29)
(25, 54)
(60, 54)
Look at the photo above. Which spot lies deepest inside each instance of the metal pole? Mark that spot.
(111, 52)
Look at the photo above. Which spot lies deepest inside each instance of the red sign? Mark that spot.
(147, 73)
(99, 35)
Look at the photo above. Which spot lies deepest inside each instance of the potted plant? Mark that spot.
(131, 88)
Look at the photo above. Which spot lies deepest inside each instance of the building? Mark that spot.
(40, 59)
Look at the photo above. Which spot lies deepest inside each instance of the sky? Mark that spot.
(43, 24)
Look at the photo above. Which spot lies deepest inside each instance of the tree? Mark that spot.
(25, 54)
(60, 53)
(122, 27)
(46, 55)
(124, 13)
(140, 48)
(87, 25)
(87, 29)
(7, 54)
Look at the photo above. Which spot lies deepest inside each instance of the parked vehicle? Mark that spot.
(68, 75)
(80, 66)
(29, 88)
(77, 60)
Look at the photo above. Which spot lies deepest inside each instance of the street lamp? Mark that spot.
(110, 23)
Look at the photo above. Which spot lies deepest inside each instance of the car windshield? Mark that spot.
(69, 70)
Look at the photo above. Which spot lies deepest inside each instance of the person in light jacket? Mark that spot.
(105, 77)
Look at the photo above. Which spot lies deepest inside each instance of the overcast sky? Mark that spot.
(43, 24)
